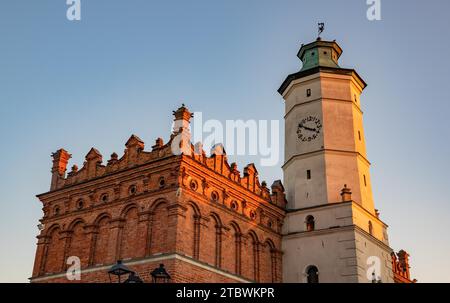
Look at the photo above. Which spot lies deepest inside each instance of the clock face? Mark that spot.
(309, 128)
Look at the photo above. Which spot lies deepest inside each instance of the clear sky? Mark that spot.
(126, 65)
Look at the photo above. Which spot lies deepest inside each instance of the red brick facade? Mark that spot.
(400, 267)
(196, 214)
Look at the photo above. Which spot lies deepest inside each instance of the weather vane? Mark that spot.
(321, 28)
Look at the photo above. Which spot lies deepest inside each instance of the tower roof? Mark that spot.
(320, 56)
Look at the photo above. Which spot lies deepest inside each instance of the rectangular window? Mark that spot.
(308, 174)
(308, 92)
(359, 135)
(365, 182)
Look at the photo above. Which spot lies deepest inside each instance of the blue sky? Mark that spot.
(126, 65)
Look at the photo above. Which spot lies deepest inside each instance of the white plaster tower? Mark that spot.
(332, 232)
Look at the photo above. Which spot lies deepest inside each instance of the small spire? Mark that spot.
(158, 143)
(60, 159)
(94, 154)
(182, 119)
(182, 113)
(346, 194)
(134, 141)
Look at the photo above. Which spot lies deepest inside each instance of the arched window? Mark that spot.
(312, 274)
(310, 223)
(370, 228)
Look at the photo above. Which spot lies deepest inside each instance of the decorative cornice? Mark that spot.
(309, 72)
(323, 151)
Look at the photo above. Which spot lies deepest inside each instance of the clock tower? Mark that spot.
(332, 232)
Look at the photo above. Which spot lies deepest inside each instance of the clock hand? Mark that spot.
(308, 128)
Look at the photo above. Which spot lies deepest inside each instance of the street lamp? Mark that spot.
(133, 278)
(160, 275)
(374, 278)
(118, 269)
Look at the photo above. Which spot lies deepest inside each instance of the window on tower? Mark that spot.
(308, 92)
(310, 223)
(365, 181)
(308, 174)
(312, 274)
(359, 135)
(370, 228)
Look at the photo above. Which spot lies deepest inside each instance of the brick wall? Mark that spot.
(181, 272)
(149, 204)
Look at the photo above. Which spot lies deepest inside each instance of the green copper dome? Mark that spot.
(320, 54)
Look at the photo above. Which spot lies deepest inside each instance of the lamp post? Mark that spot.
(160, 275)
(118, 269)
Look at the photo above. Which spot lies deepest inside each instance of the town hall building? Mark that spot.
(207, 220)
